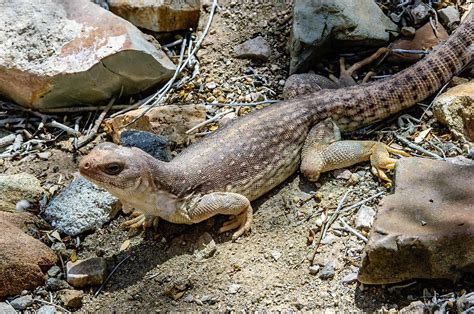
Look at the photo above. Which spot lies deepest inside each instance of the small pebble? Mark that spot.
(22, 205)
(234, 288)
(276, 255)
(350, 278)
(327, 272)
(313, 270)
(211, 85)
(21, 303)
(46, 309)
(54, 271)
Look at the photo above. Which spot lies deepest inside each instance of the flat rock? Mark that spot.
(21, 303)
(256, 49)
(58, 53)
(17, 187)
(158, 16)
(6, 308)
(365, 217)
(424, 39)
(88, 272)
(24, 259)
(80, 207)
(45, 309)
(426, 228)
(455, 109)
(70, 298)
(319, 24)
(155, 145)
(450, 17)
(170, 121)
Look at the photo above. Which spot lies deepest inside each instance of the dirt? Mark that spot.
(268, 269)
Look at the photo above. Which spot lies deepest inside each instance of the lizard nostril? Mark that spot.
(86, 165)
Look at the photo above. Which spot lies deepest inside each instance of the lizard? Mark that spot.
(225, 171)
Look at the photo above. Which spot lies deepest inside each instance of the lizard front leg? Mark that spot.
(224, 203)
(141, 220)
(323, 152)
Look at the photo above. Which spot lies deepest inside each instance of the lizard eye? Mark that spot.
(113, 168)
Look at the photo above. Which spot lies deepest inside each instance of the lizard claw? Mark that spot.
(141, 220)
(242, 221)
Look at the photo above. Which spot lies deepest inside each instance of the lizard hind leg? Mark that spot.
(225, 203)
(381, 161)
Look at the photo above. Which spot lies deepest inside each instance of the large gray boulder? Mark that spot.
(316, 23)
(57, 53)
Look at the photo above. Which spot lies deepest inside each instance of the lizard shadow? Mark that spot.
(171, 241)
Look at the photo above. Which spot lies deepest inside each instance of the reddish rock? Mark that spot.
(158, 16)
(57, 53)
(23, 259)
(424, 39)
(426, 228)
(88, 272)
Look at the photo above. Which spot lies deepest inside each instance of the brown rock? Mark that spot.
(171, 122)
(158, 16)
(58, 53)
(17, 187)
(88, 272)
(424, 39)
(426, 228)
(23, 259)
(71, 298)
(455, 108)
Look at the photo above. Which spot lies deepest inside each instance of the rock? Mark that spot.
(305, 83)
(455, 109)
(450, 17)
(425, 229)
(256, 49)
(414, 307)
(21, 303)
(421, 13)
(329, 239)
(54, 284)
(234, 288)
(424, 39)
(327, 272)
(158, 16)
(317, 25)
(88, 272)
(206, 247)
(24, 259)
(343, 174)
(365, 217)
(276, 255)
(61, 53)
(6, 308)
(46, 309)
(155, 145)
(54, 271)
(211, 85)
(408, 31)
(170, 121)
(314, 269)
(71, 298)
(80, 207)
(350, 278)
(18, 187)
(22, 205)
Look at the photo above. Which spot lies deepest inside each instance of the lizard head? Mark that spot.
(120, 170)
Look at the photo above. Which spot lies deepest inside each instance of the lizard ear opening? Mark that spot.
(113, 168)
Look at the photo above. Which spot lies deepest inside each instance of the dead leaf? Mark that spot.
(73, 256)
(124, 245)
(422, 135)
(55, 234)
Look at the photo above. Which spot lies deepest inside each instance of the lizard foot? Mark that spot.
(381, 160)
(242, 221)
(141, 220)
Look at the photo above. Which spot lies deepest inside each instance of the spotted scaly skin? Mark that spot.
(221, 173)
